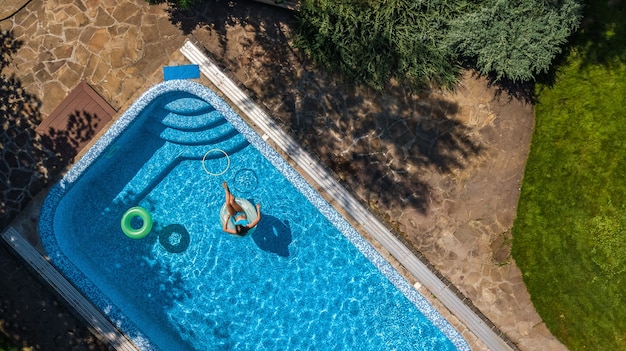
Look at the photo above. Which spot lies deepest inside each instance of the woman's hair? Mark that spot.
(240, 229)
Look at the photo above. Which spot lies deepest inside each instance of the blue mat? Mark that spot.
(181, 72)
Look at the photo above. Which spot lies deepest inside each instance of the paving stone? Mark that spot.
(103, 69)
(81, 54)
(70, 33)
(68, 76)
(98, 40)
(132, 47)
(86, 34)
(125, 10)
(54, 92)
(103, 19)
(64, 51)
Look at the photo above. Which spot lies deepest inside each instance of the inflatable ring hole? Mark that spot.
(204, 158)
(174, 238)
(245, 181)
(130, 216)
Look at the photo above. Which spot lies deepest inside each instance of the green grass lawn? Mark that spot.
(569, 238)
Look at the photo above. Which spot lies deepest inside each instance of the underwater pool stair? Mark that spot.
(191, 129)
(190, 121)
(83, 307)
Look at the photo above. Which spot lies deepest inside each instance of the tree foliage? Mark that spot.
(372, 41)
(515, 39)
(423, 42)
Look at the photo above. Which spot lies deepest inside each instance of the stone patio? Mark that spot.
(442, 168)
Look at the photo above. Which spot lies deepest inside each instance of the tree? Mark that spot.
(515, 39)
(424, 42)
(372, 41)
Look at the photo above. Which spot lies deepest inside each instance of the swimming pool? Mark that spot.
(305, 279)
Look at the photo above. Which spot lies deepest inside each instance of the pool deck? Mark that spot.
(120, 49)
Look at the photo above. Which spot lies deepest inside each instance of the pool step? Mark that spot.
(150, 173)
(193, 122)
(188, 106)
(208, 128)
(167, 157)
(190, 128)
(229, 146)
(199, 137)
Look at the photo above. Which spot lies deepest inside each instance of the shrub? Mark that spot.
(515, 39)
(374, 41)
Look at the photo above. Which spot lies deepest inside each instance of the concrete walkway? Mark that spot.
(119, 49)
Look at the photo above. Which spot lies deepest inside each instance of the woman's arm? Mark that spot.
(226, 225)
(258, 217)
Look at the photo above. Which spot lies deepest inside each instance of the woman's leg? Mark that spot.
(229, 199)
(231, 205)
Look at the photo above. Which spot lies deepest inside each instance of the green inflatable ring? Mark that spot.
(132, 213)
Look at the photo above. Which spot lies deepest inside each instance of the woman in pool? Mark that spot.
(237, 216)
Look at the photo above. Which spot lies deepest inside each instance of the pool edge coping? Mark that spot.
(469, 316)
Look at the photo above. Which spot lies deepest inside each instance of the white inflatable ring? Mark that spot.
(248, 208)
(227, 164)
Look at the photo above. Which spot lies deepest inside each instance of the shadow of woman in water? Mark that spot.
(273, 235)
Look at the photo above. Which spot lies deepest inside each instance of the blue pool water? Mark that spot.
(304, 280)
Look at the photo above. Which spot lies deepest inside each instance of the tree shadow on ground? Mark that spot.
(23, 160)
(375, 142)
(31, 316)
(522, 91)
(600, 39)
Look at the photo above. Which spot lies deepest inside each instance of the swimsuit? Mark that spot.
(242, 221)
